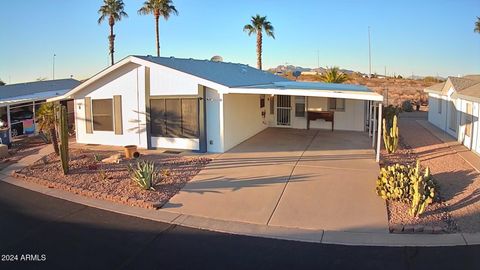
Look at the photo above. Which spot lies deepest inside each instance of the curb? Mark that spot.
(258, 230)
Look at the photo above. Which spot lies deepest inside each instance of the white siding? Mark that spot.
(242, 118)
(434, 117)
(166, 81)
(353, 118)
(128, 82)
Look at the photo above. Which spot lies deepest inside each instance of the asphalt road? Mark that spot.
(62, 235)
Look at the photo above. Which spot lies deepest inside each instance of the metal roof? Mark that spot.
(314, 86)
(224, 73)
(22, 90)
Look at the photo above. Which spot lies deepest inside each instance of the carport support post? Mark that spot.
(8, 123)
(379, 130)
(373, 124)
(34, 119)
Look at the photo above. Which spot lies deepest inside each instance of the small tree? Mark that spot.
(47, 123)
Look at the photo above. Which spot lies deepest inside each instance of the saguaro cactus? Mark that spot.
(63, 131)
(390, 137)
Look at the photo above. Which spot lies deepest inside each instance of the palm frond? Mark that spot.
(112, 9)
(259, 24)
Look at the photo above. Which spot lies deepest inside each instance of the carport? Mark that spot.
(27, 97)
(283, 99)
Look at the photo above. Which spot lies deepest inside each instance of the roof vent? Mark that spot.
(217, 58)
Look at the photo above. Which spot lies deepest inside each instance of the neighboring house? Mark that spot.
(454, 108)
(19, 101)
(157, 102)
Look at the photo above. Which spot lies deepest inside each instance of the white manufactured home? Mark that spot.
(454, 108)
(208, 106)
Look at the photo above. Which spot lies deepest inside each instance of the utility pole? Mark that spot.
(53, 68)
(369, 56)
(318, 59)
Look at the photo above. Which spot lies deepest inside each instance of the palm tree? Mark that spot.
(113, 10)
(257, 26)
(159, 8)
(333, 75)
(46, 122)
(477, 26)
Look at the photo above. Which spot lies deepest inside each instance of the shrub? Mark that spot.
(389, 112)
(143, 174)
(97, 157)
(407, 106)
(407, 184)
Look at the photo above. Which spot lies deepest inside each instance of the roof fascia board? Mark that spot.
(308, 93)
(468, 98)
(138, 61)
(426, 90)
(92, 79)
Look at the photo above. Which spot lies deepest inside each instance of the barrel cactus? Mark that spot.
(390, 136)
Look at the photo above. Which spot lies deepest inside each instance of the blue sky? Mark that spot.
(419, 37)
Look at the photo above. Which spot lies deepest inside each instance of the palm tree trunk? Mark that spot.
(112, 40)
(259, 50)
(157, 30)
(53, 137)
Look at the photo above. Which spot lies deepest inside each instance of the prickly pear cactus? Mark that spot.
(406, 184)
(390, 137)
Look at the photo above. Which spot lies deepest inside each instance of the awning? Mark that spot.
(32, 97)
(310, 89)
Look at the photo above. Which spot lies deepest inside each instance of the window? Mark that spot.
(262, 101)
(336, 104)
(174, 117)
(102, 111)
(440, 105)
(299, 106)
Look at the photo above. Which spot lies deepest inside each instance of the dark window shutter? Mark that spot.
(117, 114)
(157, 118)
(88, 115)
(190, 118)
(174, 117)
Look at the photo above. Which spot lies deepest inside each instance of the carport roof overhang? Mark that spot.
(310, 89)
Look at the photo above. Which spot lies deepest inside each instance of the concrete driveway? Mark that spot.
(312, 179)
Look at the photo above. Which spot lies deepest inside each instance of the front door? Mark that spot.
(284, 110)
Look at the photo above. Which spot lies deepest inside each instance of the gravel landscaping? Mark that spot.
(90, 177)
(436, 214)
(457, 208)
